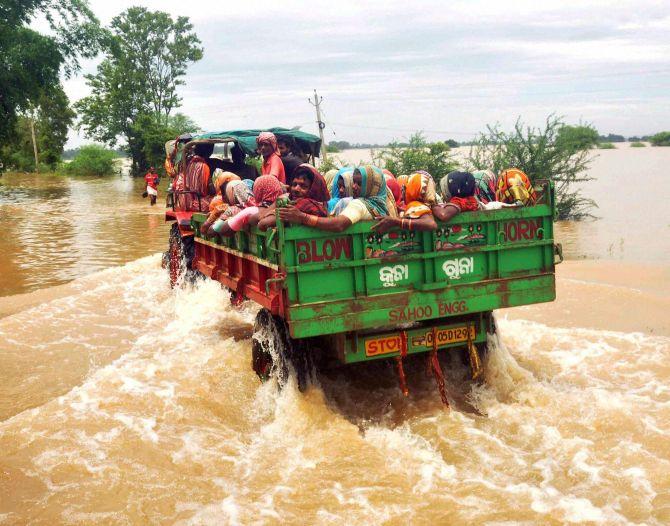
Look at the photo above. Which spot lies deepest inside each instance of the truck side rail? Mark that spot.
(357, 279)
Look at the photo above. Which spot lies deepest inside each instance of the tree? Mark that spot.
(340, 145)
(660, 139)
(51, 119)
(31, 62)
(147, 54)
(54, 118)
(153, 134)
(576, 138)
(611, 137)
(92, 159)
(451, 143)
(541, 155)
(418, 154)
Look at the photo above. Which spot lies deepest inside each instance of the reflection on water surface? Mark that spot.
(59, 228)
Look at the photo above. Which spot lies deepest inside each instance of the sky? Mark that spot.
(447, 68)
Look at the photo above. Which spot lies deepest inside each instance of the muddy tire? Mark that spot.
(274, 354)
(179, 258)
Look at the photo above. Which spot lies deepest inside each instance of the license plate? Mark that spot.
(444, 336)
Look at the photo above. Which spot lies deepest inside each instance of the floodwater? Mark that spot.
(57, 228)
(125, 402)
(633, 209)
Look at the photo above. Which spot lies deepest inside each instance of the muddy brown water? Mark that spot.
(124, 402)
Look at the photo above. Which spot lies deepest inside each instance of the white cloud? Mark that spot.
(388, 67)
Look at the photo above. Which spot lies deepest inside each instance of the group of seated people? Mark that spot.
(344, 197)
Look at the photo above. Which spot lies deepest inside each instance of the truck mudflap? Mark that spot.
(470, 332)
(443, 334)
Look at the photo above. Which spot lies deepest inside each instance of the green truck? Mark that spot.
(358, 296)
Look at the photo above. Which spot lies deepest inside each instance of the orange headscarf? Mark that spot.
(217, 205)
(221, 177)
(420, 194)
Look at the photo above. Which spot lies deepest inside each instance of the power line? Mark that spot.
(444, 132)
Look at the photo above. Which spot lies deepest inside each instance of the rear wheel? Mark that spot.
(179, 257)
(274, 354)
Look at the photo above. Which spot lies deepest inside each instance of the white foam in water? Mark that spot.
(575, 428)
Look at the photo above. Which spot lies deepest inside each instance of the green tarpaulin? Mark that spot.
(307, 142)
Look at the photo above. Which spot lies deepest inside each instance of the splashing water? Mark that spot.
(127, 402)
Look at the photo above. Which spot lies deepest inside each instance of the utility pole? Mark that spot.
(32, 132)
(317, 102)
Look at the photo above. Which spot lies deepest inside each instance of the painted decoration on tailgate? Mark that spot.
(459, 236)
(391, 244)
(320, 250)
(522, 230)
(382, 345)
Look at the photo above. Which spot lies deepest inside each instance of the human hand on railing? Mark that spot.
(292, 215)
(385, 223)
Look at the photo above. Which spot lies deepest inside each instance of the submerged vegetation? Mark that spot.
(637, 144)
(417, 154)
(660, 139)
(557, 152)
(92, 159)
(606, 146)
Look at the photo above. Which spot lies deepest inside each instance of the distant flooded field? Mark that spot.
(633, 209)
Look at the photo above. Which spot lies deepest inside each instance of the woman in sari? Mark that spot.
(340, 187)
(267, 190)
(218, 205)
(196, 179)
(394, 188)
(421, 197)
(514, 187)
(368, 200)
(485, 185)
(458, 191)
(308, 193)
(329, 176)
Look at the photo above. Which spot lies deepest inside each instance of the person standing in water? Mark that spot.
(152, 180)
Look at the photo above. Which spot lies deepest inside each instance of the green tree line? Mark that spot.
(32, 100)
(133, 98)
